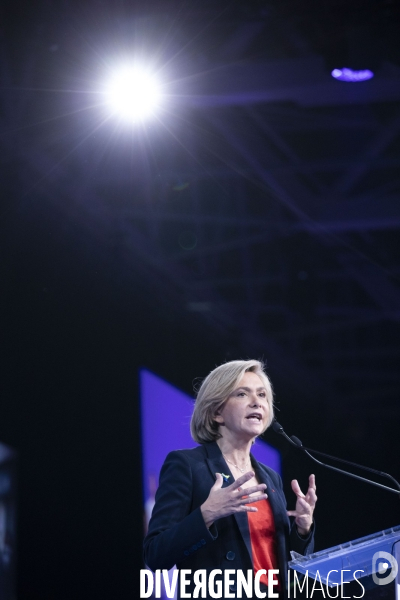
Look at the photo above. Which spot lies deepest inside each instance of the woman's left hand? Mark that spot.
(305, 505)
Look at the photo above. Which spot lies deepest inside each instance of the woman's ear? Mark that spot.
(218, 418)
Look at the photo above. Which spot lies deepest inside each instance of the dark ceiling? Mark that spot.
(264, 198)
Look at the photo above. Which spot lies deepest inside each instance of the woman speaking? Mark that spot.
(216, 507)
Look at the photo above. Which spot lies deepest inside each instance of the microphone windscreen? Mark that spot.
(277, 427)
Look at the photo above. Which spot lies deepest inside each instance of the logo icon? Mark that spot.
(381, 563)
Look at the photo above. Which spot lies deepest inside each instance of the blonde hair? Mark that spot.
(214, 393)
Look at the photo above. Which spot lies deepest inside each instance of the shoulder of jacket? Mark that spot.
(188, 453)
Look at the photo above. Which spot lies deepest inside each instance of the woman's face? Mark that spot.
(246, 412)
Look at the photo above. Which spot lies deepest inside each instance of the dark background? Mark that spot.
(238, 228)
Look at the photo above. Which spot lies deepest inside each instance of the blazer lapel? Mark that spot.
(273, 495)
(217, 464)
(243, 524)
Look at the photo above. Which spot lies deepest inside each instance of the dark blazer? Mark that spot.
(177, 534)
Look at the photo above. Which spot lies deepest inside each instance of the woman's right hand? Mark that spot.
(222, 502)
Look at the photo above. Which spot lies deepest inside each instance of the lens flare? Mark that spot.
(133, 93)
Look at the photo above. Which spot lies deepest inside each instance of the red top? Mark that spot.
(263, 540)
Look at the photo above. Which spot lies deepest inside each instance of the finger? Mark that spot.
(242, 479)
(252, 499)
(218, 481)
(251, 490)
(311, 483)
(291, 513)
(303, 507)
(311, 497)
(296, 489)
(245, 508)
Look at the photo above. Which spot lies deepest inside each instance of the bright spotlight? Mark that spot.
(133, 94)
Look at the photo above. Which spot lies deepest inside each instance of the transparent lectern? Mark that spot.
(376, 557)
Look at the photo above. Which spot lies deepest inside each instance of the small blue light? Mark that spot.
(346, 74)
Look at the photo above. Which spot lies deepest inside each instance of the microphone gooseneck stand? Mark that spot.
(294, 441)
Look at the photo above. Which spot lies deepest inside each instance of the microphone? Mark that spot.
(347, 462)
(277, 427)
(294, 441)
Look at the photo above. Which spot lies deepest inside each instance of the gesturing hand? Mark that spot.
(305, 505)
(222, 502)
